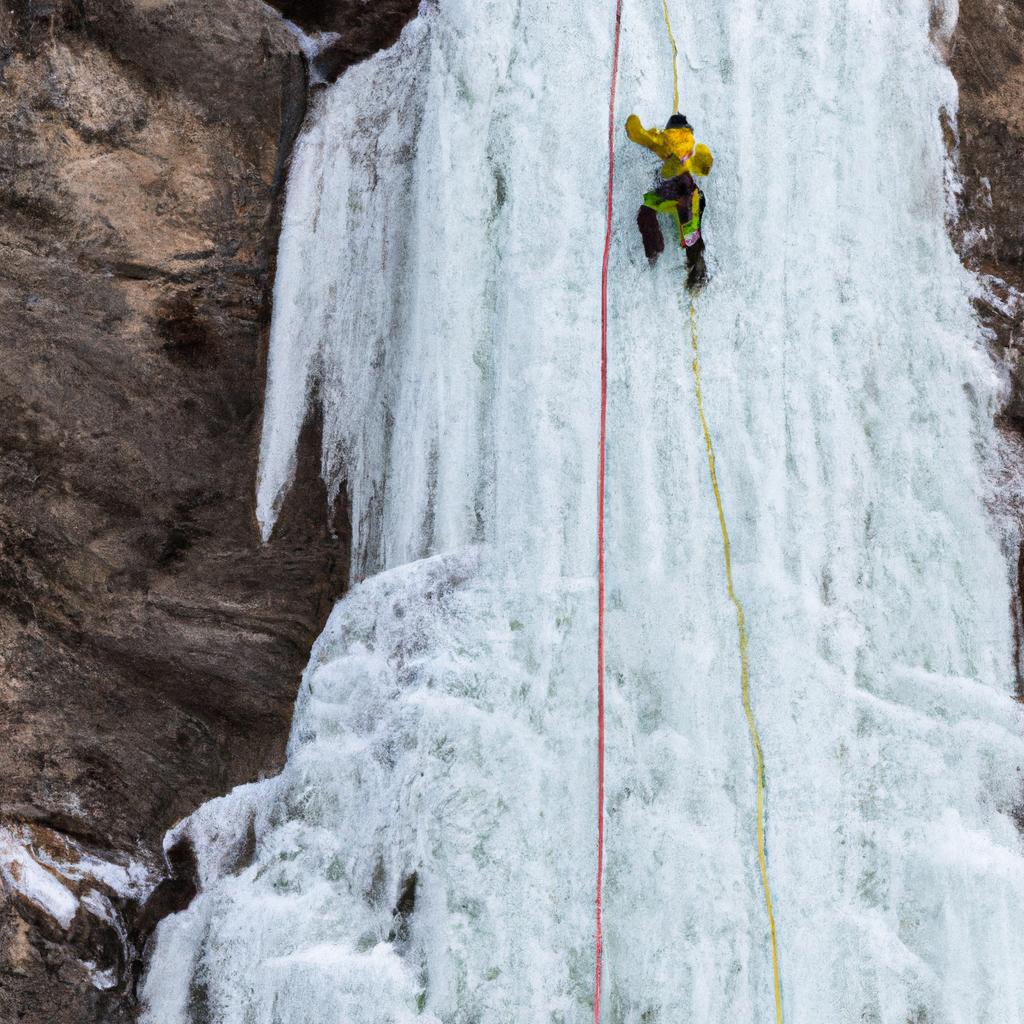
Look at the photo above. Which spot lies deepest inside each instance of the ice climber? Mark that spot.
(677, 194)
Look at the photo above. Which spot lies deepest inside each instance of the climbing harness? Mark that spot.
(688, 230)
(599, 888)
(741, 630)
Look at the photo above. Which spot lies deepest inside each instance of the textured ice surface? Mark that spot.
(438, 295)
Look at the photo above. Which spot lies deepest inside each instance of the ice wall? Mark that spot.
(437, 294)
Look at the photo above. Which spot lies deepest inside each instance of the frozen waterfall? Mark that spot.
(428, 852)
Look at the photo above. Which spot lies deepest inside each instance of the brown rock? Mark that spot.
(381, 19)
(150, 646)
(986, 54)
(362, 29)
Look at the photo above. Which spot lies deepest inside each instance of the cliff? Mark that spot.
(986, 53)
(150, 647)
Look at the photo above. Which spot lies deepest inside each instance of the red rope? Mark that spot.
(600, 519)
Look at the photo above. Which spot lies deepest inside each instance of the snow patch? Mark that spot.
(59, 883)
(26, 876)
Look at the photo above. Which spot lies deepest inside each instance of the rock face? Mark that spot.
(986, 53)
(150, 647)
(361, 27)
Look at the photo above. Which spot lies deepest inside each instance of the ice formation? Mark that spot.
(428, 851)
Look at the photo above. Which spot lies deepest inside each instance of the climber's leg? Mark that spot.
(697, 273)
(650, 231)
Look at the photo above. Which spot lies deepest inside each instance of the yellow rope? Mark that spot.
(675, 59)
(741, 629)
(741, 625)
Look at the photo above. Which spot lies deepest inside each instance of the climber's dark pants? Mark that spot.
(650, 232)
(654, 243)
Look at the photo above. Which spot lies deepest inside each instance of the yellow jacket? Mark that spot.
(674, 146)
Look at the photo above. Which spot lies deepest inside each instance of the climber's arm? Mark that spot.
(650, 139)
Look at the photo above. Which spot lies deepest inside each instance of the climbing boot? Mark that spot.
(697, 275)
